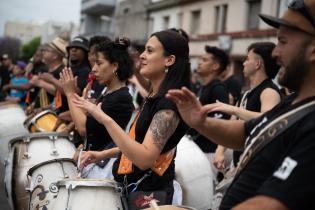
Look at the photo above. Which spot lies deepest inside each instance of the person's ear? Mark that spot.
(170, 60)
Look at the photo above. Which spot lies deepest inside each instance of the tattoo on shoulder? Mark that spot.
(163, 125)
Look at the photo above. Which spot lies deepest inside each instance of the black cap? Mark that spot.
(80, 42)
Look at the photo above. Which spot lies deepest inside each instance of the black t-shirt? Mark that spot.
(215, 90)
(118, 105)
(4, 76)
(154, 181)
(51, 97)
(284, 169)
(82, 73)
(96, 89)
(252, 102)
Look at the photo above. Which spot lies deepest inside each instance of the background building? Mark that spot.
(97, 17)
(131, 20)
(52, 29)
(24, 31)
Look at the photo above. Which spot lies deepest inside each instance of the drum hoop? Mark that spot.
(36, 117)
(87, 183)
(37, 136)
(32, 169)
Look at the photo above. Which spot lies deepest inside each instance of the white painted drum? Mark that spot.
(11, 125)
(44, 177)
(194, 174)
(170, 207)
(26, 152)
(88, 194)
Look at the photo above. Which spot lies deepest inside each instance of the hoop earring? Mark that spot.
(115, 73)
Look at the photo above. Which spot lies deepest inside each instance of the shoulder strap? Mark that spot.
(273, 130)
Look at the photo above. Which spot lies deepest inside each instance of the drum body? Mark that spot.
(44, 177)
(11, 125)
(44, 121)
(26, 152)
(83, 194)
(194, 174)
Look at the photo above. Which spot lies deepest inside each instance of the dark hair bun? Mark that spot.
(122, 43)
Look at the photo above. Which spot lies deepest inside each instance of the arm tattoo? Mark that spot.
(163, 125)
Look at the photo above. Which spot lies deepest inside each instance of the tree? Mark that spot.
(29, 49)
(10, 46)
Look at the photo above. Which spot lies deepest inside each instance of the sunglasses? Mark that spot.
(298, 5)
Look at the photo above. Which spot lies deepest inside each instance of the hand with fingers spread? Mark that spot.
(47, 77)
(188, 106)
(95, 110)
(90, 157)
(68, 81)
(35, 80)
(222, 107)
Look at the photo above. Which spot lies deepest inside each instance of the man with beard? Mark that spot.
(53, 54)
(276, 172)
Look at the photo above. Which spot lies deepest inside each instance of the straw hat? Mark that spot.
(59, 45)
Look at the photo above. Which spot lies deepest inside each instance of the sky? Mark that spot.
(39, 11)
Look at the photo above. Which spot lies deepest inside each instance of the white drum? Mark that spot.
(171, 207)
(194, 174)
(26, 152)
(88, 194)
(44, 177)
(11, 126)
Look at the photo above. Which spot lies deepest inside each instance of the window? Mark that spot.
(195, 22)
(220, 18)
(166, 22)
(253, 11)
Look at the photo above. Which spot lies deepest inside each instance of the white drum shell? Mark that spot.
(194, 174)
(87, 194)
(44, 178)
(12, 117)
(29, 151)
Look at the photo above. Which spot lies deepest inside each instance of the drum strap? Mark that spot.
(43, 98)
(161, 164)
(272, 130)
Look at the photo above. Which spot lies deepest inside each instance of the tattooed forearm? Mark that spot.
(163, 125)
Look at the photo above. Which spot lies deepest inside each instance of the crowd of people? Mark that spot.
(128, 106)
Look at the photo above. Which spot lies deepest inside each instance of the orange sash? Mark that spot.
(28, 97)
(58, 99)
(161, 164)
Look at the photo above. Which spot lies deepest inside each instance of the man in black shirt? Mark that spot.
(210, 66)
(280, 175)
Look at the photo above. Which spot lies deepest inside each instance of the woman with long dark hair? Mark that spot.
(146, 162)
